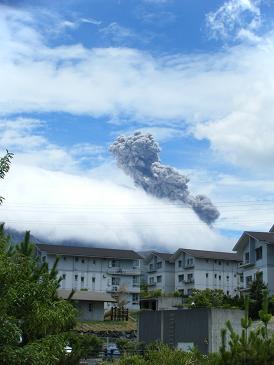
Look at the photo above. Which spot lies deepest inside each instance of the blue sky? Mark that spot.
(196, 74)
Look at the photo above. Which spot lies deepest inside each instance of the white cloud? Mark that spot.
(235, 18)
(225, 97)
(60, 206)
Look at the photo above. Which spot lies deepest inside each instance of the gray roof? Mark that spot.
(162, 255)
(216, 255)
(86, 251)
(267, 237)
(262, 236)
(91, 296)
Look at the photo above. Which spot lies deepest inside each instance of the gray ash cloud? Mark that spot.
(139, 157)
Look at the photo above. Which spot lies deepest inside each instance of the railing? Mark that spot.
(189, 281)
(120, 271)
(152, 269)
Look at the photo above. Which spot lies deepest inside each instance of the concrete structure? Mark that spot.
(96, 270)
(160, 272)
(257, 255)
(186, 328)
(197, 269)
(160, 303)
(90, 304)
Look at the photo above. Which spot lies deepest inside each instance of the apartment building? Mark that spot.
(160, 272)
(256, 250)
(96, 270)
(197, 269)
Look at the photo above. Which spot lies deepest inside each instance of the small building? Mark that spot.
(256, 250)
(89, 304)
(199, 269)
(188, 328)
(160, 272)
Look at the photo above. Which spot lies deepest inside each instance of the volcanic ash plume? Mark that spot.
(138, 156)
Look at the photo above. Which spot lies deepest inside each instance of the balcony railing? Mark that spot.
(189, 281)
(152, 269)
(120, 271)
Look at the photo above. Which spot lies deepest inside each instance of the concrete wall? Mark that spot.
(90, 311)
(183, 328)
(166, 272)
(217, 321)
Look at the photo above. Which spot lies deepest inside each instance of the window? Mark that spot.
(220, 277)
(44, 258)
(90, 307)
(64, 276)
(247, 257)
(82, 279)
(248, 280)
(189, 277)
(227, 263)
(207, 275)
(115, 263)
(189, 291)
(135, 280)
(215, 276)
(207, 260)
(136, 263)
(150, 267)
(259, 253)
(220, 262)
(227, 278)
(189, 262)
(64, 258)
(115, 281)
(180, 263)
(159, 279)
(181, 278)
(75, 277)
(215, 261)
(76, 259)
(93, 280)
(135, 298)
(94, 262)
(159, 265)
(227, 292)
(83, 261)
(151, 280)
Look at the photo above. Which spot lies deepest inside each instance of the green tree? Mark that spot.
(256, 296)
(35, 324)
(4, 167)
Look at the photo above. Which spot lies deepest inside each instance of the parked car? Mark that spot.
(111, 350)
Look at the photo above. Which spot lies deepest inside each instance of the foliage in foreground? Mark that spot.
(35, 324)
(250, 347)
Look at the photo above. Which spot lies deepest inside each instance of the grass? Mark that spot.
(107, 325)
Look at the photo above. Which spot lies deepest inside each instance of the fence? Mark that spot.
(119, 314)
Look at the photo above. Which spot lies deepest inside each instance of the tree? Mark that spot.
(4, 167)
(35, 324)
(256, 296)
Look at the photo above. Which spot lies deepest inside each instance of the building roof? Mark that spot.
(267, 237)
(86, 251)
(216, 255)
(85, 295)
(162, 255)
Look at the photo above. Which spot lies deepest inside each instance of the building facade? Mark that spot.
(257, 258)
(100, 270)
(197, 269)
(160, 272)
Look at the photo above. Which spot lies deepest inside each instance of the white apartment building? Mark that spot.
(160, 272)
(197, 269)
(96, 270)
(256, 250)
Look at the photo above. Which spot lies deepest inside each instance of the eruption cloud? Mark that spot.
(138, 156)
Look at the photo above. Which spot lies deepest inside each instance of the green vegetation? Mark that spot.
(213, 298)
(4, 167)
(36, 325)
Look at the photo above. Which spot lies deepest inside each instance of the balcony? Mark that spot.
(189, 266)
(189, 281)
(120, 271)
(246, 263)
